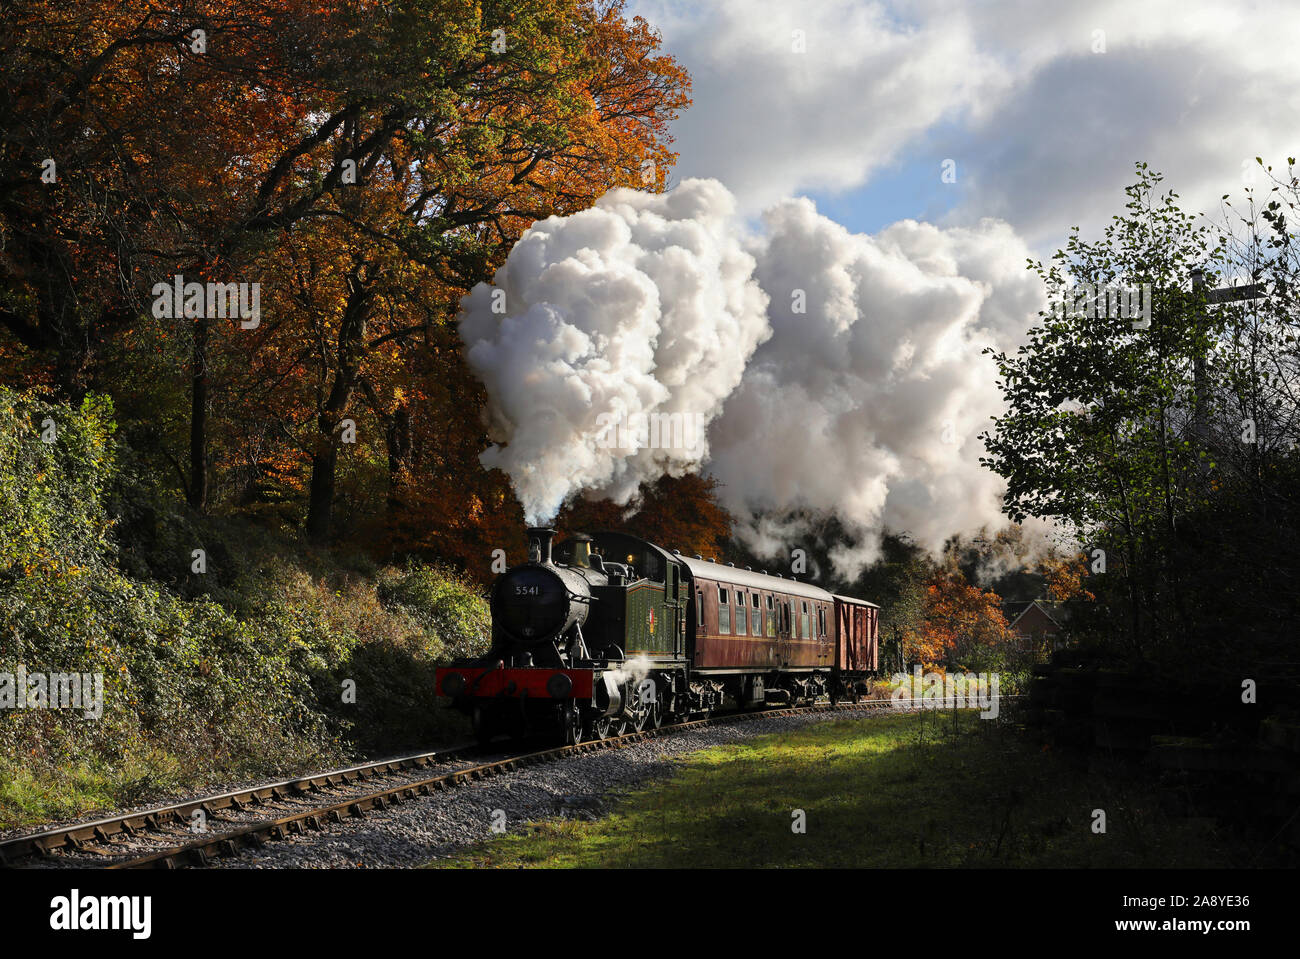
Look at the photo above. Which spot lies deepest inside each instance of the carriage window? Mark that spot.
(756, 618)
(771, 617)
(724, 611)
(803, 620)
(821, 620)
(699, 608)
(740, 614)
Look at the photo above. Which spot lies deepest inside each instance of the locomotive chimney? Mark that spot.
(539, 543)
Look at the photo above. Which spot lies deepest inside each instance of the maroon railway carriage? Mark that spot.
(608, 632)
(766, 638)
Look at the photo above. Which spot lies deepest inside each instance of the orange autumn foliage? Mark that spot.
(959, 620)
(367, 164)
(1065, 577)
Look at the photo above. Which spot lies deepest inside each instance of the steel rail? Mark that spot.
(75, 835)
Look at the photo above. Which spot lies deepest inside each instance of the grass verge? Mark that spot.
(892, 791)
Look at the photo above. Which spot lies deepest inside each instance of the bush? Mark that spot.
(233, 674)
(453, 613)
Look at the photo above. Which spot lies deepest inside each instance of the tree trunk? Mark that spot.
(320, 502)
(70, 366)
(198, 493)
(398, 437)
(351, 350)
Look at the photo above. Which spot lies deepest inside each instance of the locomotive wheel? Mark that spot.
(571, 724)
(602, 727)
(640, 710)
(654, 715)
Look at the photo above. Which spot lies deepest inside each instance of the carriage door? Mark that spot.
(784, 605)
(674, 613)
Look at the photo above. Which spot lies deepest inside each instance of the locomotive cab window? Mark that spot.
(724, 611)
(645, 560)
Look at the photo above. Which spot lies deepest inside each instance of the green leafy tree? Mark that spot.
(1169, 448)
(1101, 426)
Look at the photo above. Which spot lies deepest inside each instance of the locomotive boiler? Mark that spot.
(607, 633)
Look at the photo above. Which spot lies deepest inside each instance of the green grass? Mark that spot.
(894, 791)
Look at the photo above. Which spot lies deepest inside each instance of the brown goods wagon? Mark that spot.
(858, 625)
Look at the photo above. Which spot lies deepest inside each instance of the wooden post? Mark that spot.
(1199, 388)
(1227, 294)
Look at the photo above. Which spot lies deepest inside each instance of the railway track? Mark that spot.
(253, 816)
(76, 837)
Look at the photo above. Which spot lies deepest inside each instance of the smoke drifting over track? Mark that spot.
(835, 372)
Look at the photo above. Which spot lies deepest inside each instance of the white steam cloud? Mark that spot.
(874, 395)
(644, 304)
(840, 373)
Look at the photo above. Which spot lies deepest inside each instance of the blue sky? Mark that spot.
(909, 188)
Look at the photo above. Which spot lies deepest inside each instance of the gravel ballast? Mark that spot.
(580, 786)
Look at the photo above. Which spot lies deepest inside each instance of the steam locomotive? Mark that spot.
(607, 633)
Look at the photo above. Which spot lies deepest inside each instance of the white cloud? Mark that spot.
(868, 405)
(770, 122)
(1045, 131)
(841, 373)
(642, 304)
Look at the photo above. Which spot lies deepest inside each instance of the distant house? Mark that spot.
(1035, 619)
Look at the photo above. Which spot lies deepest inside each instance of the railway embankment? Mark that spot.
(148, 651)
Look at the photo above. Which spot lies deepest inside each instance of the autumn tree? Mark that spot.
(1066, 577)
(963, 625)
(140, 142)
(681, 513)
(390, 153)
